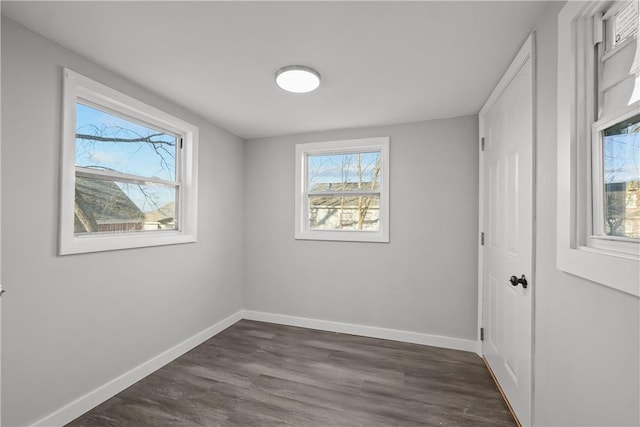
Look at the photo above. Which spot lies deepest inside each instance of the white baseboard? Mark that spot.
(94, 398)
(365, 331)
(115, 386)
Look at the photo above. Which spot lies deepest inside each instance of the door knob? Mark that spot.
(515, 281)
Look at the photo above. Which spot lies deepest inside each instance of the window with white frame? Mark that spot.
(599, 143)
(342, 190)
(616, 130)
(128, 175)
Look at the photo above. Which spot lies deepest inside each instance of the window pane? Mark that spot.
(107, 142)
(344, 172)
(621, 149)
(344, 213)
(104, 206)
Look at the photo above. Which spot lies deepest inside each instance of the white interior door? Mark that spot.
(506, 123)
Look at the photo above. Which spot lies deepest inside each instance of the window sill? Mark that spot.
(112, 242)
(612, 246)
(614, 270)
(344, 236)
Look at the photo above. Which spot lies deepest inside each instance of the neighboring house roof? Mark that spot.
(102, 202)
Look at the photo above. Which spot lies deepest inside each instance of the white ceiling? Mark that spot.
(381, 62)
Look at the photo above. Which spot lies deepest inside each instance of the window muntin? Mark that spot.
(342, 190)
(128, 172)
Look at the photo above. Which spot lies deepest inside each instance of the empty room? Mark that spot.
(315, 213)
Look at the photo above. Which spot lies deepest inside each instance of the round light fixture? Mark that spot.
(297, 79)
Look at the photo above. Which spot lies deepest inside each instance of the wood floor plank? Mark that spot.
(262, 374)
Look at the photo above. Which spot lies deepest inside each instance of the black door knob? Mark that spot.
(515, 281)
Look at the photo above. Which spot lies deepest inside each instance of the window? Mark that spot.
(616, 163)
(616, 130)
(342, 190)
(128, 172)
(599, 143)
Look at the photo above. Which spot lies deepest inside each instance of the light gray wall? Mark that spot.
(587, 337)
(424, 280)
(70, 324)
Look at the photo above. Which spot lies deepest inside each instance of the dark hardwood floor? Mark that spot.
(261, 374)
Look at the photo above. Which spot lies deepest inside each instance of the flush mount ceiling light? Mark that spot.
(297, 79)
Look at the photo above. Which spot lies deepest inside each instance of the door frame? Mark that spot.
(527, 51)
(1, 291)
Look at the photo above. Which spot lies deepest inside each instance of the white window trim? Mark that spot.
(613, 269)
(76, 86)
(302, 230)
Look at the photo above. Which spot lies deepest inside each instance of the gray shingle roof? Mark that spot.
(102, 202)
